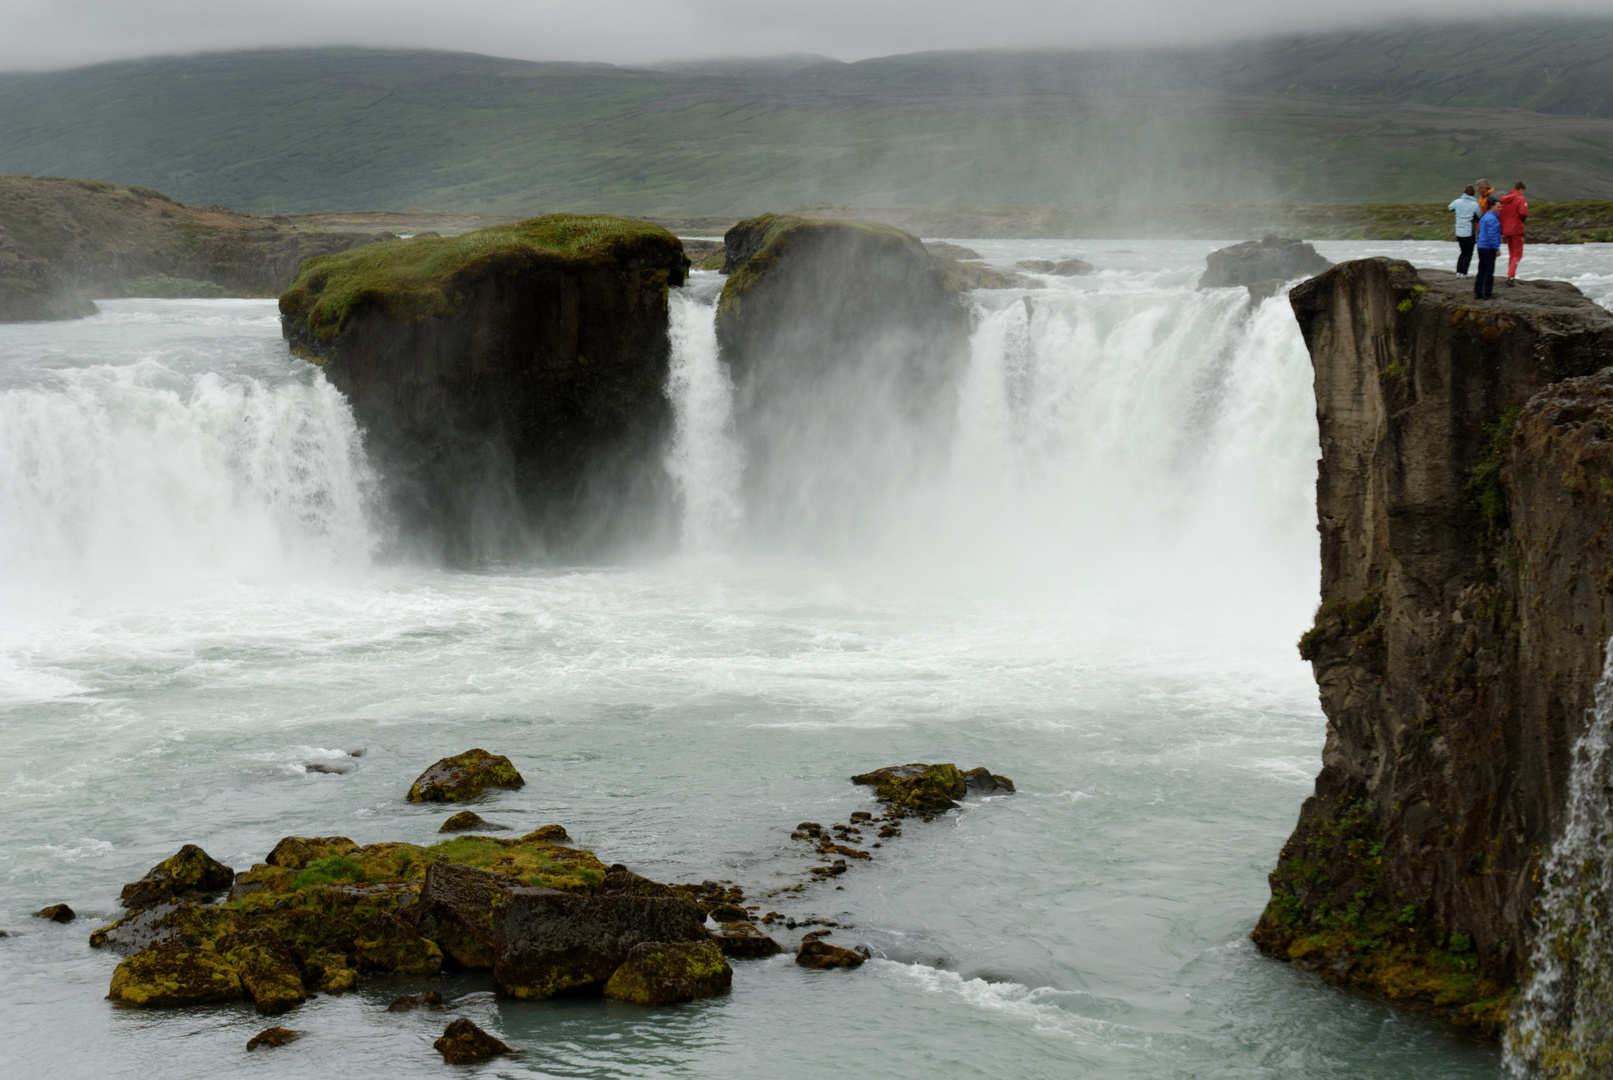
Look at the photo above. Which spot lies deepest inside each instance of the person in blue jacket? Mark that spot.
(1467, 210)
(1488, 243)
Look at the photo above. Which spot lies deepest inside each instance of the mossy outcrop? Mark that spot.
(742, 940)
(269, 972)
(465, 776)
(845, 342)
(463, 1043)
(667, 973)
(171, 976)
(189, 869)
(509, 381)
(387, 943)
(926, 790)
(1465, 613)
(470, 821)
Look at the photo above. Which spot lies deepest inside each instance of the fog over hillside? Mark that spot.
(1391, 114)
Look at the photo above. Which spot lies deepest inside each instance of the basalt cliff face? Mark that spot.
(1464, 499)
(509, 382)
(845, 342)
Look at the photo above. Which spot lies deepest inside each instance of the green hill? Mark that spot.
(1401, 114)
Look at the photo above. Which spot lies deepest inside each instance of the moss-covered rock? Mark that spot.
(268, 970)
(549, 834)
(470, 820)
(983, 780)
(387, 943)
(329, 973)
(176, 922)
(275, 1036)
(455, 910)
(463, 1043)
(546, 941)
(665, 973)
(925, 790)
(820, 955)
(533, 862)
(743, 941)
(296, 852)
(169, 976)
(464, 776)
(307, 932)
(190, 868)
(622, 880)
(56, 913)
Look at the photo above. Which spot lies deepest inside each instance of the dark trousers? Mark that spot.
(1466, 256)
(1484, 281)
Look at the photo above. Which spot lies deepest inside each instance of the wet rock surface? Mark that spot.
(190, 869)
(546, 941)
(1465, 609)
(387, 943)
(269, 972)
(1252, 262)
(463, 1043)
(275, 1036)
(455, 910)
(56, 913)
(742, 940)
(820, 955)
(471, 821)
(431, 999)
(464, 776)
(666, 973)
(169, 976)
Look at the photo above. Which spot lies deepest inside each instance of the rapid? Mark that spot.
(1095, 590)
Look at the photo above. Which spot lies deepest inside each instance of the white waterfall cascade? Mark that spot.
(1563, 1024)
(704, 459)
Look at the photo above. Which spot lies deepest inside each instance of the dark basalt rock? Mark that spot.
(666, 973)
(56, 913)
(431, 999)
(624, 881)
(189, 868)
(1253, 262)
(268, 970)
(275, 1036)
(469, 820)
(546, 941)
(743, 941)
(509, 382)
(1465, 540)
(455, 910)
(169, 976)
(984, 780)
(463, 1043)
(820, 955)
(174, 922)
(307, 933)
(387, 943)
(463, 776)
(845, 343)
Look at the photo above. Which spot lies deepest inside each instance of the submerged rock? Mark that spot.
(463, 1043)
(464, 775)
(1253, 262)
(820, 955)
(431, 999)
(169, 976)
(663, 973)
(56, 913)
(468, 820)
(190, 868)
(546, 941)
(275, 1036)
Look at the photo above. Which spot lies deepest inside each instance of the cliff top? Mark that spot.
(1529, 297)
(417, 278)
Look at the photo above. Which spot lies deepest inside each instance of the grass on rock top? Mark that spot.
(417, 278)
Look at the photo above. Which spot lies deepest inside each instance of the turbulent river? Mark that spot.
(1095, 591)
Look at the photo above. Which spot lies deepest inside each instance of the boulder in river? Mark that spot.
(920, 789)
(189, 869)
(268, 970)
(431, 999)
(56, 913)
(455, 910)
(275, 1036)
(549, 834)
(172, 922)
(174, 975)
(820, 955)
(387, 943)
(665, 973)
(469, 821)
(463, 1043)
(742, 940)
(1254, 261)
(464, 775)
(1073, 268)
(296, 852)
(546, 941)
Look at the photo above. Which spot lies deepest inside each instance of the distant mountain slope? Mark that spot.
(1401, 114)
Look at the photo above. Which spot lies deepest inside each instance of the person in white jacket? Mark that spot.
(1467, 210)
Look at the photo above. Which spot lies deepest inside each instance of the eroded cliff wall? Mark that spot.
(1462, 499)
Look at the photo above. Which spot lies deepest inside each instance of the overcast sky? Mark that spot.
(63, 33)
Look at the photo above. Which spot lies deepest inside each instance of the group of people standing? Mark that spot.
(1483, 221)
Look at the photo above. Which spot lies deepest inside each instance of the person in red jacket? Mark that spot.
(1513, 210)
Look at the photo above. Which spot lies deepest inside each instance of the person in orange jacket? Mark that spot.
(1486, 195)
(1513, 212)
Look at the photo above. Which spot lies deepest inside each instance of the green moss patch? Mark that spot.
(411, 280)
(534, 862)
(1484, 479)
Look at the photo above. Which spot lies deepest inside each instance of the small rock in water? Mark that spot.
(728, 913)
(56, 913)
(665, 973)
(336, 768)
(463, 1043)
(744, 941)
(983, 779)
(431, 999)
(820, 955)
(275, 1036)
(549, 834)
(861, 816)
(463, 776)
(466, 820)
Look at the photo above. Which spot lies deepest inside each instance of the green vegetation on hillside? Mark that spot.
(1405, 114)
(415, 279)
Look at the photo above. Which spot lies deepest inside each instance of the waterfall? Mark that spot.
(1563, 1024)
(704, 459)
(139, 474)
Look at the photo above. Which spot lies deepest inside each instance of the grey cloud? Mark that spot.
(44, 34)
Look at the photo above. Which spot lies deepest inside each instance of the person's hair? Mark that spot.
(1519, 186)
(1484, 183)
(1469, 190)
